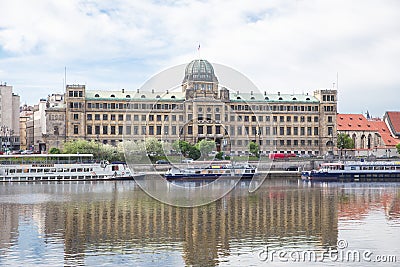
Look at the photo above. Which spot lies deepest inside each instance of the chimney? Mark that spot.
(251, 92)
(279, 93)
(237, 92)
(167, 91)
(137, 90)
(123, 90)
(152, 91)
(265, 92)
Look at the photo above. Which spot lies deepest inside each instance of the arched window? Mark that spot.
(294, 98)
(329, 144)
(128, 96)
(266, 98)
(307, 98)
(238, 97)
(142, 96)
(252, 98)
(280, 98)
(112, 95)
(158, 96)
(96, 95)
(173, 96)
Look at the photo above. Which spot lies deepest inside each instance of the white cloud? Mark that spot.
(281, 45)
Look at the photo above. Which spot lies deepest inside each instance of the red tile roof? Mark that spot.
(394, 117)
(357, 122)
(354, 122)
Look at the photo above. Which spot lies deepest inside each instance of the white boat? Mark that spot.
(60, 167)
(355, 171)
(213, 171)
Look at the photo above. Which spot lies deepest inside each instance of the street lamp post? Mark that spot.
(98, 146)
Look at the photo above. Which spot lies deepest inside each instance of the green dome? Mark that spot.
(200, 70)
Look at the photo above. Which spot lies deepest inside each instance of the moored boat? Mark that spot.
(60, 167)
(212, 172)
(355, 171)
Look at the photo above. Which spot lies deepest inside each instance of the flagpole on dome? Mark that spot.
(198, 50)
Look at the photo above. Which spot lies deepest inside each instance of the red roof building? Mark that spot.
(367, 133)
(392, 120)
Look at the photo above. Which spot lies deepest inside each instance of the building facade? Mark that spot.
(283, 123)
(9, 119)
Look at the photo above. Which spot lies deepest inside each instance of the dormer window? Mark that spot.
(252, 98)
(307, 98)
(142, 96)
(112, 95)
(294, 98)
(173, 96)
(238, 97)
(128, 96)
(96, 95)
(158, 96)
(280, 98)
(266, 98)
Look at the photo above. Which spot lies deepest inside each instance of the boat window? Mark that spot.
(32, 170)
(79, 170)
(19, 170)
(12, 171)
(353, 168)
(46, 170)
(39, 170)
(86, 169)
(53, 169)
(66, 170)
(73, 170)
(59, 170)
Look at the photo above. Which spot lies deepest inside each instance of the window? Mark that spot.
(89, 117)
(260, 118)
(302, 119)
(158, 117)
(128, 117)
(209, 129)
(315, 119)
(190, 129)
(120, 117)
(295, 119)
(288, 118)
(76, 116)
(200, 129)
(89, 129)
(295, 130)
(105, 129)
(173, 130)
(274, 130)
(173, 117)
(281, 118)
(143, 130)
(97, 117)
(112, 129)
(113, 117)
(76, 129)
(288, 130)
(120, 129)
(105, 117)
(309, 119)
(97, 129)
(267, 130)
(275, 118)
(329, 118)
(302, 131)
(309, 131)
(316, 131)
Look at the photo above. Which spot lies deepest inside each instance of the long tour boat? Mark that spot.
(355, 171)
(60, 167)
(213, 171)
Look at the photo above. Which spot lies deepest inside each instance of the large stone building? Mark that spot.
(9, 118)
(290, 123)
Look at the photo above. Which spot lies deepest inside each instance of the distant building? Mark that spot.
(287, 123)
(25, 115)
(370, 136)
(9, 118)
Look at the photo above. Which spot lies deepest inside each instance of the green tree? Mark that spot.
(81, 146)
(398, 148)
(344, 141)
(182, 147)
(254, 148)
(219, 155)
(194, 153)
(54, 150)
(153, 147)
(205, 147)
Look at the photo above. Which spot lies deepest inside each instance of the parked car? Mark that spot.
(292, 168)
(162, 161)
(188, 160)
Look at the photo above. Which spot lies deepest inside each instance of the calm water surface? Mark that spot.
(116, 224)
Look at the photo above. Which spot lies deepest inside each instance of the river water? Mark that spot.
(117, 224)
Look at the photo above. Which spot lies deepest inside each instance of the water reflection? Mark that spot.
(75, 223)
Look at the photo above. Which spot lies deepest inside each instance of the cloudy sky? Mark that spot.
(280, 45)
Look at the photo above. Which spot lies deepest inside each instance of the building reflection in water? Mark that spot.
(102, 217)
